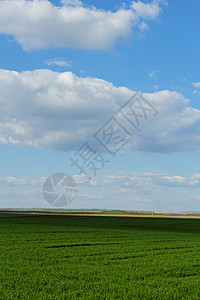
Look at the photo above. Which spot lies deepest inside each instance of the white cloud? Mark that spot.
(90, 196)
(80, 179)
(24, 193)
(22, 181)
(175, 129)
(143, 27)
(179, 181)
(40, 24)
(72, 2)
(196, 84)
(124, 181)
(54, 110)
(146, 11)
(58, 62)
(62, 111)
(128, 182)
(134, 190)
(152, 74)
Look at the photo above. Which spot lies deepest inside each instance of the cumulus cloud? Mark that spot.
(146, 10)
(62, 111)
(40, 24)
(54, 110)
(175, 129)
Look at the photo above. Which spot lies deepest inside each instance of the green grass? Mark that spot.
(74, 257)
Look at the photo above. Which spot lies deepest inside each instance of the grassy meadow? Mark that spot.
(90, 257)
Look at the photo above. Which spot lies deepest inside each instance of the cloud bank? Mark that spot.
(121, 182)
(141, 181)
(61, 111)
(135, 190)
(38, 24)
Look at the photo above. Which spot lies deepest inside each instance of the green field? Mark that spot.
(80, 257)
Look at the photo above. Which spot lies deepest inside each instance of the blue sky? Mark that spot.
(67, 67)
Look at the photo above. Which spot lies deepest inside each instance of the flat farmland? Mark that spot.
(98, 257)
